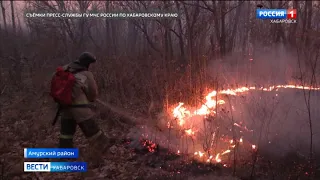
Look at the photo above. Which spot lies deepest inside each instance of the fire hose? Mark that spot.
(129, 119)
(122, 112)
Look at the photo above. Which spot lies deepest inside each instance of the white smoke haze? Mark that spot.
(280, 116)
(282, 119)
(265, 67)
(275, 121)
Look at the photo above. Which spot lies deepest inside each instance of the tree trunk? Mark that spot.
(279, 30)
(108, 43)
(166, 66)
(171, 54)
(1, 35)
(82, 22)
(234, 29)
(13, 17)
(113, 25)
(132, 38)
(114, 37)
(223, 31)
(19, 25)
(15, 48)
(168, 41)
(190, 22)
(4, 16)
(308, 21)
(246, 29)
(293, 27)
(304, 23)
(181, 41)
(216, 25)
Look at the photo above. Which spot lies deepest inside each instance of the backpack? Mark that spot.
(61, 86)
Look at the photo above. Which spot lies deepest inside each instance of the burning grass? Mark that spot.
(214, 136)
(193, 122)
(210, 134)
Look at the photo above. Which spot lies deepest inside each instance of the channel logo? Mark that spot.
(276, 14)
(55, 167)
(37, 167)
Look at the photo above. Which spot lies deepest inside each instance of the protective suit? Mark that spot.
(80, 113)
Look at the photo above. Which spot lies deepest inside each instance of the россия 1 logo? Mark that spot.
(277, 15)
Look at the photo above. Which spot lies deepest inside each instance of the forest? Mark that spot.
(215, 93)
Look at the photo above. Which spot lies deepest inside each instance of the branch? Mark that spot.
(49, 6)
(198, 5)
(4, 88)
(143, 29)
(207, 7)
(195, 15)
(92, 40)
(170, 29)
(286, 2)
(240, 3)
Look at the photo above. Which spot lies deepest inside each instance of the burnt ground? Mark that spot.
(25, 122)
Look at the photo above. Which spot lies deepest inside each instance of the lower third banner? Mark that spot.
(51, 153)
(55, 166)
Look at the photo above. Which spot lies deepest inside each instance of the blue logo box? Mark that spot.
(51, 153)
(55, 166)
(271, 13)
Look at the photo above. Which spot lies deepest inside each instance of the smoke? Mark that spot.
(276, 121)
(276, 65)
(279, 119)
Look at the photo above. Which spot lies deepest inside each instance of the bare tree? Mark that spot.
(234, 29)
(3, 9)
(13, 17)
(293, 28)
(110, 32)
(308, 20)
(308, 78)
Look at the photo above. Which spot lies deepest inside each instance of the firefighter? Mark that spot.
(80, 113)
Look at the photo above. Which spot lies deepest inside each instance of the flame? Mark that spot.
(253, 147)
(236, 124)
(189, 132)
(244, 128)
(180, 113)
(209, 104)
(200, 154)
(151, 146)
(218, 158)
(225, 152)
(208, 160)
(168, 125)
(183, 115)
